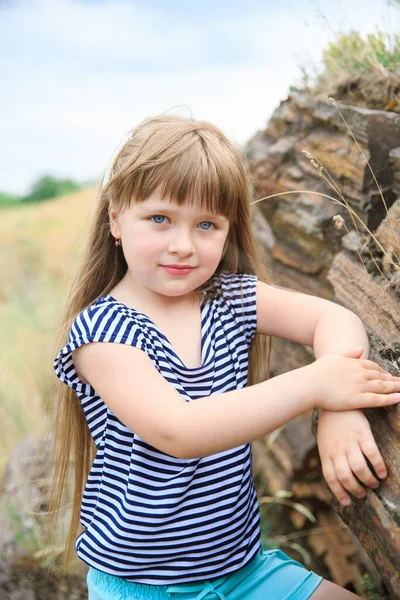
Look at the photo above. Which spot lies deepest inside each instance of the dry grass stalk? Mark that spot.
(335, 104)
(296, 505)
(322, 171)
(336, 201)
(340, 223)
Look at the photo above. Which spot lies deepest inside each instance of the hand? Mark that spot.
(345, 441)
(339, 382)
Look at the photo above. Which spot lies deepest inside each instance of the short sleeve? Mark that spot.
(103, 323)
(239, 293)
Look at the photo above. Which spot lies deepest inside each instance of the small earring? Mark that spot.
(117, 242)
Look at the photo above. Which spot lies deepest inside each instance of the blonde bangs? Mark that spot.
(197, 167)
(206, 179)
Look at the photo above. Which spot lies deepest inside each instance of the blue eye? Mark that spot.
(158, 219)
(207, 224)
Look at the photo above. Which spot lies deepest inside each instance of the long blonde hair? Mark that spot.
(186, 160)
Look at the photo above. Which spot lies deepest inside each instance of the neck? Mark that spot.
(143, 299)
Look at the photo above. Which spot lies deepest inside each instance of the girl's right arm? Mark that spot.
(128, 382)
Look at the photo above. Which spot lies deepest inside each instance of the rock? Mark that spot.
(383, 137)
(323, 111)
(258, 147)
(301, 259)
(337, 155)
(376, 304)
(352, 242)
(306, 252)
(262, 229)
(376, 522)
(294, 172)
(285, 117)
(308, 213)
(291, 278)
(24, 497)
(394, 155)
(20, 500)
(388, 232)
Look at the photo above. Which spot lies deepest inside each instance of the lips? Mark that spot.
(178, 269)
(179, 266)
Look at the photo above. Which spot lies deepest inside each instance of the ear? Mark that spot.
(114, 225)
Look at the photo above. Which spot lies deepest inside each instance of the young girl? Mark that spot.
(162, 315)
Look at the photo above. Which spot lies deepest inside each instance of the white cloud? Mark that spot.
(77, 78)
(73, 130)
(119, 31)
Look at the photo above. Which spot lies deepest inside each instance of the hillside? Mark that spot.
(39, 253)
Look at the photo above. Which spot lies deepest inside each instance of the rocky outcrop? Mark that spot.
(376, 521)
(24, 556)
(313, 245)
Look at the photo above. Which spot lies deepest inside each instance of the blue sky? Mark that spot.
(75, 75)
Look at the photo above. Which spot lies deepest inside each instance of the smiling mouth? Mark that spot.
(178, 266)
(178, 269)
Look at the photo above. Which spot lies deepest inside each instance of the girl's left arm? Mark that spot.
(344, 438)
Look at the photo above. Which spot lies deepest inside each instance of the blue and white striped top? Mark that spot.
(150, 517)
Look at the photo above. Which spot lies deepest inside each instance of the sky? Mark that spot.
(76, 75)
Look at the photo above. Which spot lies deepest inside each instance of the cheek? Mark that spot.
(149, 246)
(142, 241)
(214, 250)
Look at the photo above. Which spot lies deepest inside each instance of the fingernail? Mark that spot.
(362, 495)
(375, 486)
(382, 474)
(346, 501)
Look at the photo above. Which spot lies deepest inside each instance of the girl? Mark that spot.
(162, 315)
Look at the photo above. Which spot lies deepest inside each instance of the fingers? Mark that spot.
(372, 374)
(361, 385)
(345, 473)
(344, 477)
(382, 388)
(371, 400)
(360, 468)
(336, 487)
(371, 451)
(373, 366)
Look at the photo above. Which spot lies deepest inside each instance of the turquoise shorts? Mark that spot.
(269, 576)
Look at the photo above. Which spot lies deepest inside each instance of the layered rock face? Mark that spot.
(305, 251)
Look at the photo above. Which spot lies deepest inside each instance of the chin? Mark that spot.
(177, 290)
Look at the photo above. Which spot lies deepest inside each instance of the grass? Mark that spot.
(358, 70)
(39, 254)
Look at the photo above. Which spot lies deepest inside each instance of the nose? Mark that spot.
(181, 243)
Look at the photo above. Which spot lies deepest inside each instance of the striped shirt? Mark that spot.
(150, 517)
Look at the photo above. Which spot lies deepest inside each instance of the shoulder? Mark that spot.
(107, 320)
